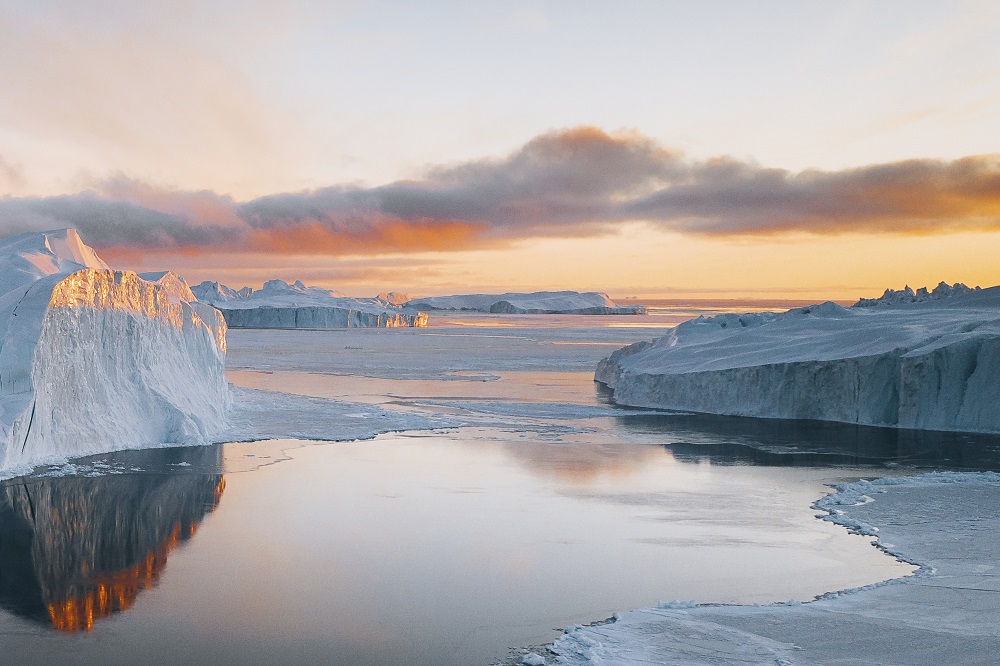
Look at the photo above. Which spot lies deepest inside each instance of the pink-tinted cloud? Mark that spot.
(576, 182)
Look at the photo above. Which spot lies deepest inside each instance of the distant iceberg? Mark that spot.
(925, 363)
(93, 359)
(281, 305)
(539, 302)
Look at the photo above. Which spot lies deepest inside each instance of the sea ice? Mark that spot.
(281, 305)
(922, 363)
(948, 613)
(93, 359)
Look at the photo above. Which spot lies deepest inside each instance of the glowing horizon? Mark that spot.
(715, 150)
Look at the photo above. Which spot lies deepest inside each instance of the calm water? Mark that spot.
(551, 507)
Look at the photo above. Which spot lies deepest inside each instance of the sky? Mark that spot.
(656, 149)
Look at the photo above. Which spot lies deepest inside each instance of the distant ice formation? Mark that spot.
(907, 295)
(929, 363)
(539, 302)
(393, 297)
(281, 305)
(93, 359)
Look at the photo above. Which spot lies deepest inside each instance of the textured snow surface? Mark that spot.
(539, 302)
(948, 613)
(931, 364)
(281, 305)
(93, 359)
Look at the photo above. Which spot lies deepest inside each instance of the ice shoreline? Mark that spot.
(942, 613)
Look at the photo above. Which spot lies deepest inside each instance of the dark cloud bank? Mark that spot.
(570, 183)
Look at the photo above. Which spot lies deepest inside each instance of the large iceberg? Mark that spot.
(281, 305)
(539, 302)
(930, 363)
(93, 359)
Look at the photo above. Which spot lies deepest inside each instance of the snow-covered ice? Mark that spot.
(948, 613)
(93, 359)
(281, 305)
(539, 302)
(926, 363)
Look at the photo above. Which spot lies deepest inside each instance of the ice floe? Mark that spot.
(949, 612)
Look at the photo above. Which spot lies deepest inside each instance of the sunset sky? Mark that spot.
(710, 149)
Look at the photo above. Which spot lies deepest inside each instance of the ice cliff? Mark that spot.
(539, 302)
(93, 359)
(281, 305)
(926, 364)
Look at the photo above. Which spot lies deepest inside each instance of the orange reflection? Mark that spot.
(106, 593)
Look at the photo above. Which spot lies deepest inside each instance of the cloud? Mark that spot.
(11, 175)
(577, 182)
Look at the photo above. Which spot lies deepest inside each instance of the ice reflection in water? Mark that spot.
(75, 550)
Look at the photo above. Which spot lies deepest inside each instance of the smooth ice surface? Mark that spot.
(539, 302)
(949, 613)
(281, 305)
(93, 359)
(927, 364)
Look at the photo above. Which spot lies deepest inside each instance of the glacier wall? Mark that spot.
(279, 304)
(319, 316)
(922, 366)
(95, 360)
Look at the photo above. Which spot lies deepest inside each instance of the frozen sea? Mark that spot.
(449, 495)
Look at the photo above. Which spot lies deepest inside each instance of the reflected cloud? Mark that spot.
(76, 550)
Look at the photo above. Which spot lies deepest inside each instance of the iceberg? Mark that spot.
(281, 305)
(922, 363)
(93, 359)
(539, 302)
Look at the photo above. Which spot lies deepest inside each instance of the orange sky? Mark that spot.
(810, 150)
(638, 261)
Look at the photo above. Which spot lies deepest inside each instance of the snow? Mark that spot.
(928, 364)
(281, 305)
(949, 612)
(539, 302)
(93, 359)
